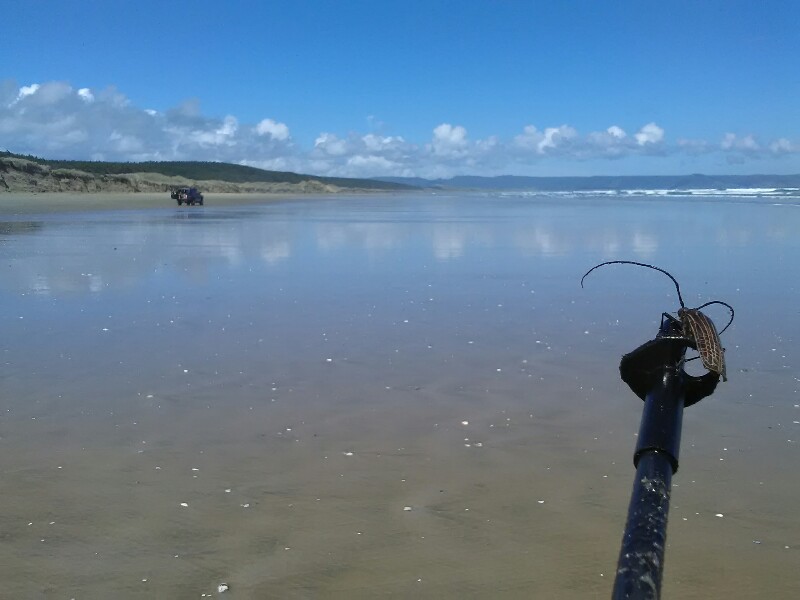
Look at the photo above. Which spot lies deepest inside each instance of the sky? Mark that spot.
(410, 88)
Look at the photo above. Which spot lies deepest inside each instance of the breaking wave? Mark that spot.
(787, 193)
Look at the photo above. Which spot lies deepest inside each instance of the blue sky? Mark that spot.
(428, 88)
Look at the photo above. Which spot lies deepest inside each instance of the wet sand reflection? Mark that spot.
(383, 396)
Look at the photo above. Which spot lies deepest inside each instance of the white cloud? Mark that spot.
(529, 139)
(554, 137)
(649, 134)
(27, 90)
(362, 165)
(125, 144)
(783, 146)
(367, 155)
(51, 93)
(616, 132)
(86, 94)
(562, 141)
(228, 127)
(273, 129)
(449, 141)
(372, 163)
(744, 144)
(611, 143)
(278, 163)
(728, 141)
(378, 143)
(58, 121)
(55, 120)
(329, 143)
(223, 133)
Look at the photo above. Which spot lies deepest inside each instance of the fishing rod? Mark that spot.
(655, 373)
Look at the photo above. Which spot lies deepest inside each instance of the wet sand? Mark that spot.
(380, 397)
(31, 203)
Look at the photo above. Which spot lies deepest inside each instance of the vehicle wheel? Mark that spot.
(180, 202)
(201, 202)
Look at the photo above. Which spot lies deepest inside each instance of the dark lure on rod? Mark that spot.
(698, 329)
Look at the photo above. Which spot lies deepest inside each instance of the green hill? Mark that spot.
(182, 172)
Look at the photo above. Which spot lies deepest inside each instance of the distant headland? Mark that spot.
(599, 183)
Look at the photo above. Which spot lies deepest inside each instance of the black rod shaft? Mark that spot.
(641, 558)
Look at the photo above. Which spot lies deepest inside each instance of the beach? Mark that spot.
(26, 203)
(387, 395)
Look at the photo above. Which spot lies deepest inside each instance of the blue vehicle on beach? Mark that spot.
(189, 195)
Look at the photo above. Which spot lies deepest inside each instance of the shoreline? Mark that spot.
(20, 203)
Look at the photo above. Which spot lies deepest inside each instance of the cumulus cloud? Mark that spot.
(224, 134)
(330, 144)
(371, 164)
(616, 132)
(649, 134)
(273, 129)
(743, 144)
(357, 155)
(611, 143)
(566, 142)
(58, 121)
(529, 138)
(783, 146)
(54, 119)
(555, 137)
(449, 141)
(553, 140)
(450, 152)
(125, 144)
(27, 90)
(379, 143)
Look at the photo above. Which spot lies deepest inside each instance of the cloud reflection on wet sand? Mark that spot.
(255, 396)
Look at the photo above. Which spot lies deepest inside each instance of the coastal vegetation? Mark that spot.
(25, 173)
